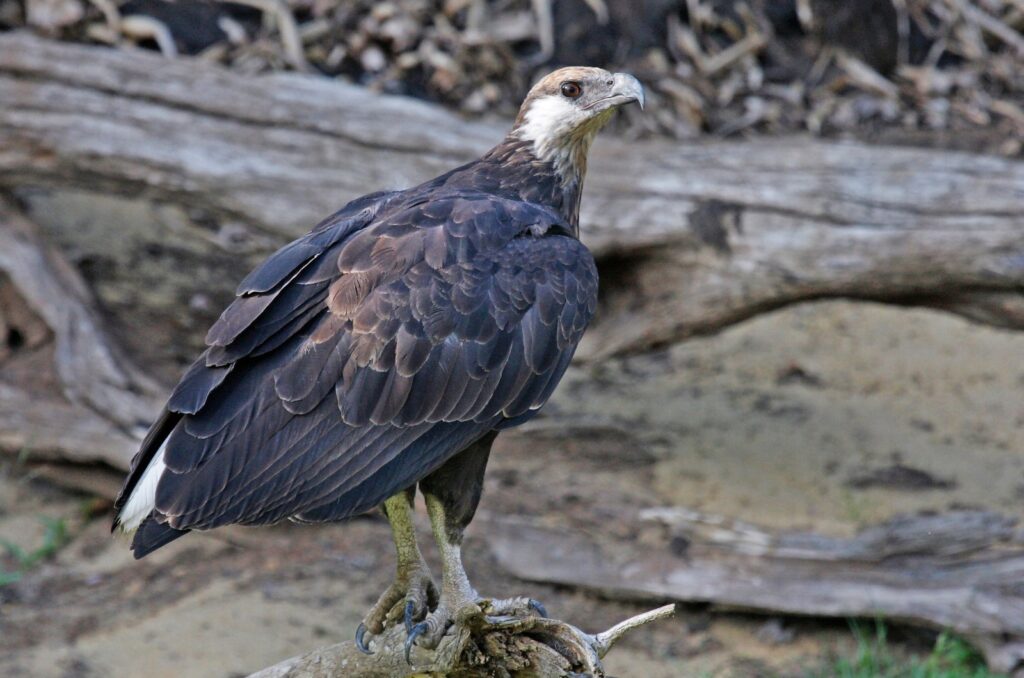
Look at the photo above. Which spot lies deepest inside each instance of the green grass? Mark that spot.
(54, 537)
(951, 657)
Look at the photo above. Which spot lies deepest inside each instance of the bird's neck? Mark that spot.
(553, 178)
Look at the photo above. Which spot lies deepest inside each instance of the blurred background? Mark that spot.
(799, 410)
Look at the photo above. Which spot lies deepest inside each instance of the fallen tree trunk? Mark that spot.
(690, 237)
(960, 570)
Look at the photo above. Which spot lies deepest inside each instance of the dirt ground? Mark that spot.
(827, 416)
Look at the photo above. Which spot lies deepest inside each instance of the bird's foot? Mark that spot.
(429, 632)
(409, 598)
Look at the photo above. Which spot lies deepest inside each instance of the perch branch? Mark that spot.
(478, 645)
(604, 641)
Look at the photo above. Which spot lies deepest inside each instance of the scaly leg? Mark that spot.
(412, 586)
(452, 494)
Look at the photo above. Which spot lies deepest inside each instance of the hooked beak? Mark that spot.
(625, 89)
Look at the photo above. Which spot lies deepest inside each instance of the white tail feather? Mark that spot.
(143, 498)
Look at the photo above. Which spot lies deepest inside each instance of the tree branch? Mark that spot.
(478, 646)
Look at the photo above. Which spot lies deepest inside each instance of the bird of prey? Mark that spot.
(385, 350)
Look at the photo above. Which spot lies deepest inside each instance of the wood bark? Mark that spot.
(959, 570)
(691, 237)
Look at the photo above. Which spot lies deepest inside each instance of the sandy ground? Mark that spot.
(826, 416)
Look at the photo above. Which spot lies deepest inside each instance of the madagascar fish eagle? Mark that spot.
(385, 350)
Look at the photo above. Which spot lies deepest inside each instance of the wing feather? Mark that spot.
(359, 358)
(195, 387)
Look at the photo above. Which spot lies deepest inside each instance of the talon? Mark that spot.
(410, 609)
(360, 643)
(537, 607)
(416, 632)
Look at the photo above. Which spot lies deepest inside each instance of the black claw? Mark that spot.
(410, 610)
(416, 632)
(360, 643)
(538, 608)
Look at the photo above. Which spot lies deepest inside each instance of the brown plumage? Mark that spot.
(406, 328)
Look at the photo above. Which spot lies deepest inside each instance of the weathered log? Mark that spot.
(691, 237)
(960, 570)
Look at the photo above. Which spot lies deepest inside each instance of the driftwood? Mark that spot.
(690, 237)
(477, 646)
(960, 570)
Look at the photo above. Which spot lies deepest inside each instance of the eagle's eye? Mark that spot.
(572, 89)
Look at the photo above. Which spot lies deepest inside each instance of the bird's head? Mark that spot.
(564, 111)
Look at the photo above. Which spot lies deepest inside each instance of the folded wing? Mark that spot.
(360, 358)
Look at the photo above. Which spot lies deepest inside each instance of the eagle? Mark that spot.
(383, 352)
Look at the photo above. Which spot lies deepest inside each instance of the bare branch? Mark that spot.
(477, 645)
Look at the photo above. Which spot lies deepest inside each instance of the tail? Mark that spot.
(135, 506)
(151, 535)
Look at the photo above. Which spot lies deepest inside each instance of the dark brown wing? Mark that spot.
(256, 293)
(367, 364)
